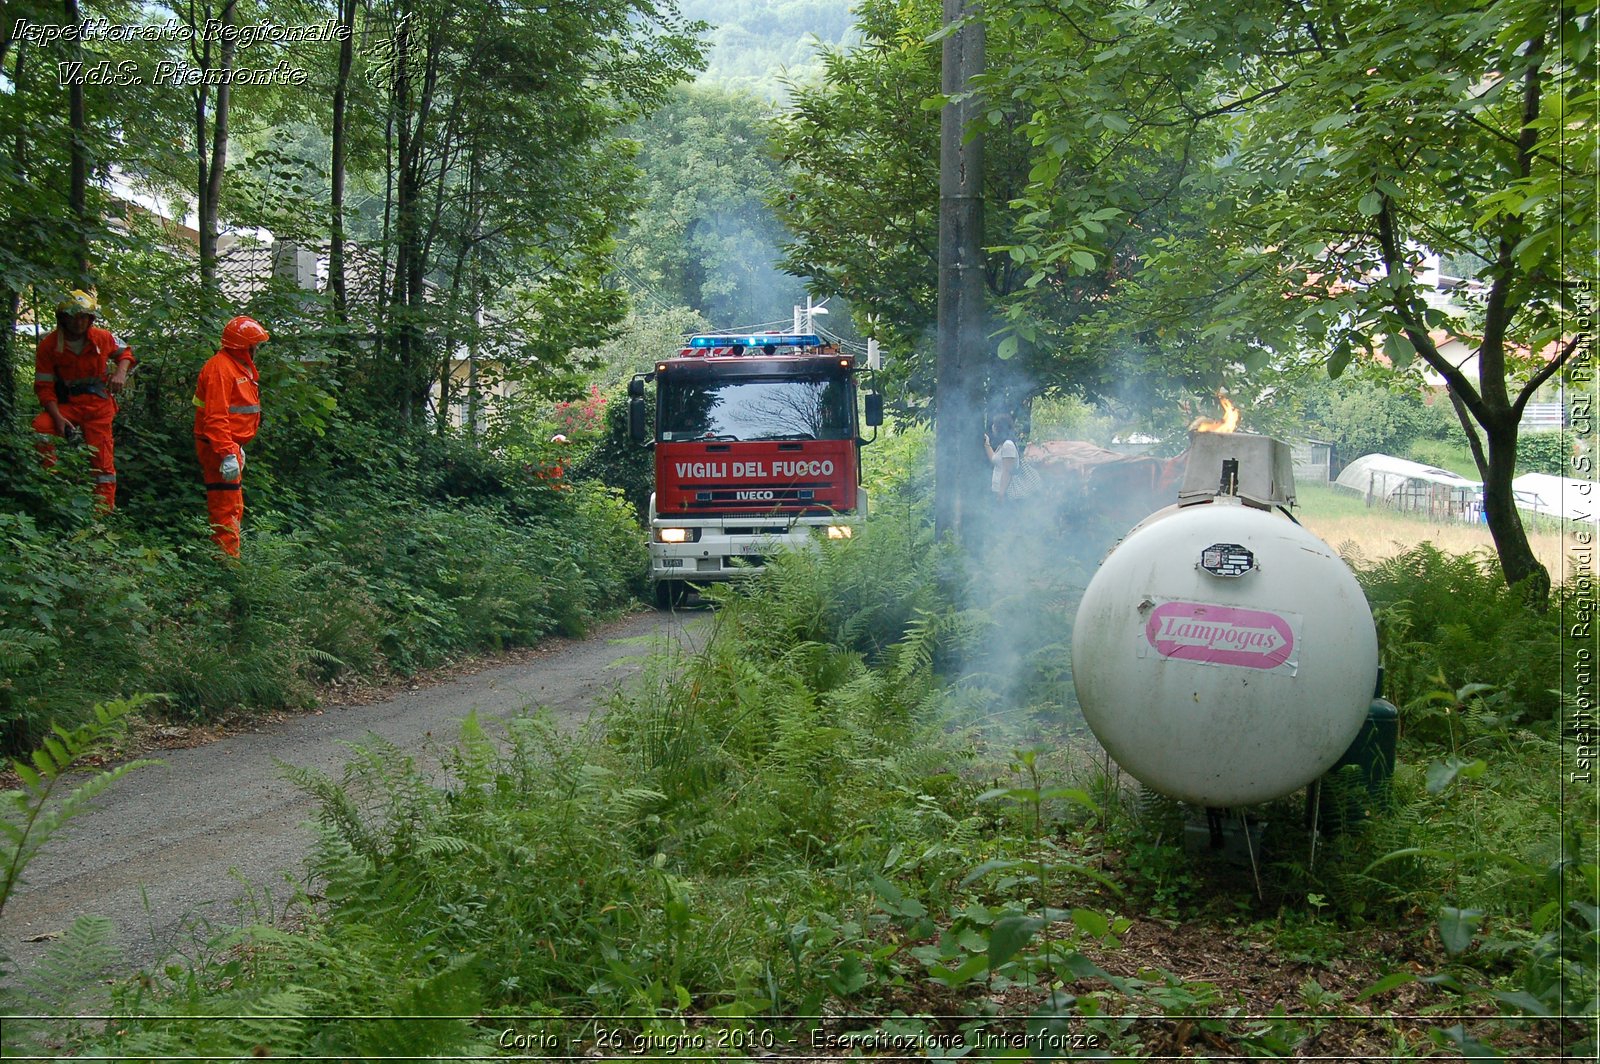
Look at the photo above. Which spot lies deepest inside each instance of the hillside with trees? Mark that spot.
(758, 48)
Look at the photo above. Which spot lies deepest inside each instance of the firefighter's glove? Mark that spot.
(231, 470)
(72, 433)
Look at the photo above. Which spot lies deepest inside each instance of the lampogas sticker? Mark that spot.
(1213, 634)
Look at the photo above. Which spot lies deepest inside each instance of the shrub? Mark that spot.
(1543, 452)
(376, 555)
(1450, 620)
(1362, 416)
(73, 620)
(615, 460)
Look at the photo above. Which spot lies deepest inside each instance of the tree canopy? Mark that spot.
(1189, 196)
(482, 148)
(1081, 189)
(701, 235)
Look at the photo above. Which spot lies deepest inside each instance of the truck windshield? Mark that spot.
(745, 408)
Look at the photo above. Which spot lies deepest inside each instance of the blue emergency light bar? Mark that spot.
(758, 340)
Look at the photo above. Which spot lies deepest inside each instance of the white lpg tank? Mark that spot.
(1222, 654)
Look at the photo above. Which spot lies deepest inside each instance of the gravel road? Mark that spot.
(175, 846)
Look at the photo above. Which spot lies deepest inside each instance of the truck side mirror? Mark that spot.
(636, 414)
(636, 388)
(874, 409)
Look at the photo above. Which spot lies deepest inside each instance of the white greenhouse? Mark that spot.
(1383, 480)
(1559, 497)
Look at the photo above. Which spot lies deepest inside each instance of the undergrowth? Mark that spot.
(402, 574)
(834, 810)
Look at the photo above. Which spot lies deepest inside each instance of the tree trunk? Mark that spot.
(382, 309)
(1517, 560)
(341, 306)
(212, 169)
(446, 376)
(1489, 409)
(405, 228)
(78, 168)
(959, 485)
(12, 296)
(474, 185)
(1488, 403)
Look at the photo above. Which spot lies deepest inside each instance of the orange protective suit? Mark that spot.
(79, 383)
(227, 401)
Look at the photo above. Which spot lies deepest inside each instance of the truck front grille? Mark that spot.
(755, 496)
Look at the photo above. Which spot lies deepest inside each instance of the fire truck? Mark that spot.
(757, 448)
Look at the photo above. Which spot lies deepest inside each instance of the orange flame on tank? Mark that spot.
(1229, 422)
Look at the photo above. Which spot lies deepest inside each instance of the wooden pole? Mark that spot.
(959, 481)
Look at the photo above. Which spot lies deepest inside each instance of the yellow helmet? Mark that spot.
(78, 302)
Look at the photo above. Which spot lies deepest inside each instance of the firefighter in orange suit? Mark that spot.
(227, 413)
(75, 382)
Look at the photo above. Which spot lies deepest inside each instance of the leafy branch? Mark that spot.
(32, 814)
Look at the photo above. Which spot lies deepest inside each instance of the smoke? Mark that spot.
(1030, 559)
(1027, 571)
(748, 290)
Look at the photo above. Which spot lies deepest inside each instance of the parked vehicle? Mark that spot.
(757, 447)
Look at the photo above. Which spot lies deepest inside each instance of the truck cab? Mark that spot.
(757, 447)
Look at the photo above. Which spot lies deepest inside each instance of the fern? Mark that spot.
(68, 979)
(19, 649)
(31, 816)
(434, 846)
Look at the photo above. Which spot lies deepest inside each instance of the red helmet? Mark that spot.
(243, 333)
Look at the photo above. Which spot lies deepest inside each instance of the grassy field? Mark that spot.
(1355, 529)
(1453, 455)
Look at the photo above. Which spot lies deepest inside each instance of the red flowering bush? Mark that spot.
(585, 417)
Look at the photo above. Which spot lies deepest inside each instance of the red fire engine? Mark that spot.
(757, 448)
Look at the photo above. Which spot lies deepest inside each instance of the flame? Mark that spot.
(1229, 422)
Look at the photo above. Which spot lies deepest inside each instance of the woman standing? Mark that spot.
(1002, 459)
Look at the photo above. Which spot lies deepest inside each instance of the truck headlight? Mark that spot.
(677, 535)
(840, 531)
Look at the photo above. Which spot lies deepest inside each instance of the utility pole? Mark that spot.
(962, 355)
(805, 320)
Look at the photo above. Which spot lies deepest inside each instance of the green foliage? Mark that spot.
(796, 822)
(740, 820)
(1076, 200)
(860, 162)
(1448, 616)
(1544, 452)
(1360, 416)
(994, 942)
(617, 461)
(35, 812)
(1367, 154)
(758, 49)
(867, 594)
(1509, 876)
(67, 595)
(1453, 455)
(897, 469)
(437, 549)
(1070, 418)
(770, 807)
(703, 238)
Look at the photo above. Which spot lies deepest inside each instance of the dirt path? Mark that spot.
(175, 846)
